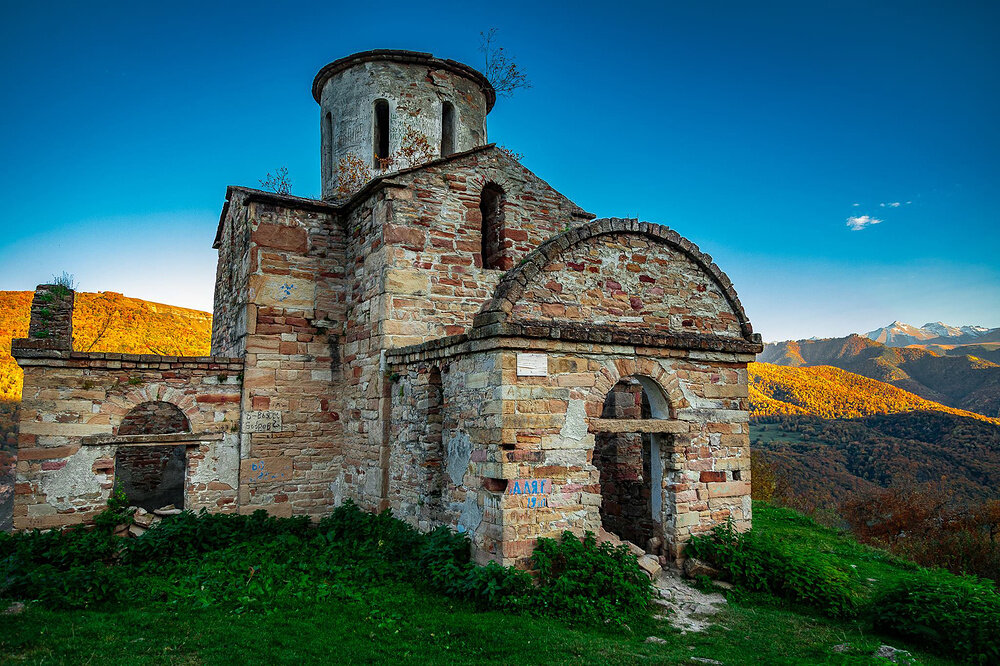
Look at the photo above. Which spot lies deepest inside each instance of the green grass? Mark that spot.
(769, 433)
(380, 621)
(872, 566)
(399, 623)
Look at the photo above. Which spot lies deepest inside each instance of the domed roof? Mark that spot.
(409, 58)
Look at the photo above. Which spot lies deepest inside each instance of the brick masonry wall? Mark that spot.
(414, 92)
(232, 277)
(548, 431)
(441, 448)
(295, 317)
(632, 282)
(695, 377)
(414, 273)
(153, 418)
(73, 406)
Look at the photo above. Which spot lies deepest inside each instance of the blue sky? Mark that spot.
(755, 129)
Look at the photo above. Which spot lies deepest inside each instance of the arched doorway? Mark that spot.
(151, 475)
(627, 455)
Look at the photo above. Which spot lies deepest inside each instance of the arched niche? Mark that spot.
(152, 476)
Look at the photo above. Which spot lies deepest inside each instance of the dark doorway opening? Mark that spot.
(624, 460)
(152, 476)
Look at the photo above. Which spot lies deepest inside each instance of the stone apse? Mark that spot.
(456, 341)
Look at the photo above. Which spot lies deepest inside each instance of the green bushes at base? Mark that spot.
(257, 562)
(593, 583)
(760, 563)
(940, 609)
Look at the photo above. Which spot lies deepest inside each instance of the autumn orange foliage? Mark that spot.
(107, 322)
(832, 393)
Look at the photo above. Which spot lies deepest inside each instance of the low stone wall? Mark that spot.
(72, 411)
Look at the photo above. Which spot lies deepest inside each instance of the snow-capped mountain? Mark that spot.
(898, 334)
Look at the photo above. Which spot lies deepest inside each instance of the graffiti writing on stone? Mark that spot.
(262, 421)
(266, 470)
(534, 491)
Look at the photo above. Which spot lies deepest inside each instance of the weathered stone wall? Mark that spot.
(547, 434)
(295, 318)
(232, 277)
(695, 380)
(432, 233)
(443, 439)
(73, 405)
(631, 282)
(153, 418)
(415, 87)
(51, 323)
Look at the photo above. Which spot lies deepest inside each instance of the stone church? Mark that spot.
(455, 341)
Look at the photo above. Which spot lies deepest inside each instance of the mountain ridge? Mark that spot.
(899, 334)
(961, 381)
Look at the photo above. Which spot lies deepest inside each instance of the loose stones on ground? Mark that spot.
(691, 609)
(143, 520)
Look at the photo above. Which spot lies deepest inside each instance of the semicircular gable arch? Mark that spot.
(513, 284)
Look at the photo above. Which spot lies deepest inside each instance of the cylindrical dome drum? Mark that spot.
(386, 109)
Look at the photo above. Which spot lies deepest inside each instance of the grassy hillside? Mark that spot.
(107, 322)
(833, 393)
(230, 603)
(964, 378)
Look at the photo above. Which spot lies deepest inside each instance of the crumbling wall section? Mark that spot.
(73, 406)
(232, 273)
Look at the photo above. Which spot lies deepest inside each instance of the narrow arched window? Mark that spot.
(491, 203)
(447, 129)
(327, 142)
(381, 138)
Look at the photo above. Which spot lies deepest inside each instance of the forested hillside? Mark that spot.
(832, 393)
(108, 322)
(959, 379)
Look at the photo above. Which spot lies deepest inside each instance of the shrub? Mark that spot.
(957, 613)
(243, 563)
(582, 581)
(69, 568)
(760, 563)
(188, 535)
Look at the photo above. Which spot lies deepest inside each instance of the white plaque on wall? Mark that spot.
(532, 365)
(262, 421)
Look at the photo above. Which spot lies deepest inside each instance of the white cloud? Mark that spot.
(860, 222)
(855, 205)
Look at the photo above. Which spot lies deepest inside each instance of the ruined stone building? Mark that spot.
(456, 341)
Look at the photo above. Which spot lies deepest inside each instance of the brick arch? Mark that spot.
(116, 407)
(614, 370)
(154, 417)
(513, 283)
(493, 175)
